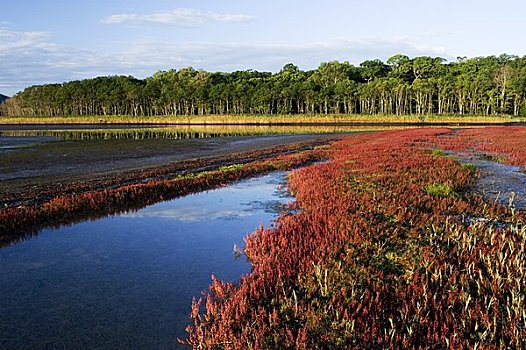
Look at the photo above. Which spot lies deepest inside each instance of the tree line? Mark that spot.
(401, 85)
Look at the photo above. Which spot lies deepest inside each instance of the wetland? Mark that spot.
(107, 245)
(127, 281)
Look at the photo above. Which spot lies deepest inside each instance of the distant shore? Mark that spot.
(317, 119)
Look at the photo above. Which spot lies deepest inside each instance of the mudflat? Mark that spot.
(33, 173)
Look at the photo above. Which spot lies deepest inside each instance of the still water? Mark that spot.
(127, 281)
(17, 134)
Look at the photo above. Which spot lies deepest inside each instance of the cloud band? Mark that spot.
(179, 17)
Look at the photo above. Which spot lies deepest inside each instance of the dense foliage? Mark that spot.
(422, 85)
(388, 250)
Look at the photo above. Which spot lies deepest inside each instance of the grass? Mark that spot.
(264, 119)
(492, 158)
(470, 167)
(440, 190)
(368, 262)
(438, 153)
(233, 167)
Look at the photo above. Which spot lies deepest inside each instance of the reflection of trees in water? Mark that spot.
(193, 132)
(79, 135)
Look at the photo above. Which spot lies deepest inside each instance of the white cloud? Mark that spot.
(29, 58)
(229, 56)
(180, 17)
(11, 40)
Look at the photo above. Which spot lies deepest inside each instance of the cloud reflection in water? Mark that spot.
(236, 201)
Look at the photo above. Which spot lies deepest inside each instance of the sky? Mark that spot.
(52, 41)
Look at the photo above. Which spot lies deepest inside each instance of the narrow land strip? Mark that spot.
(38, 173)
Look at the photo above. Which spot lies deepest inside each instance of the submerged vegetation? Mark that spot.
(388, 248)
(419, 86)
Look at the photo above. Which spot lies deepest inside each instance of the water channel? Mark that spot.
(127, 281)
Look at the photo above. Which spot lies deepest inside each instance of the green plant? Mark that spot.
(440, 190)
(492, 158)
(438, 153)
(233, 167)
(470, 167)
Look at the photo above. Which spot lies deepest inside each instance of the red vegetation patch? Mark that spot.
(507, 142)
(92, 201)
(378, 257)
(37, 193)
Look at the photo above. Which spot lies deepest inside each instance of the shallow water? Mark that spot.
(127, 281)
(160, 132)
(502, 183)
(12, 142)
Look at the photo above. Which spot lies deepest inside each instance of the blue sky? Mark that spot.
(51, 41)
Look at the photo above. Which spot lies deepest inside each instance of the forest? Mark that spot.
(492, 85)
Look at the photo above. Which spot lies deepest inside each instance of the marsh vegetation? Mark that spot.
(397, 239)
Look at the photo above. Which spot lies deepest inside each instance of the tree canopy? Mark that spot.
(421, 85)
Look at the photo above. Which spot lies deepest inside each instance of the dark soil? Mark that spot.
(36, 173)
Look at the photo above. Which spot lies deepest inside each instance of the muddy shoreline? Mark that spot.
(498, 182)
(34, 175)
